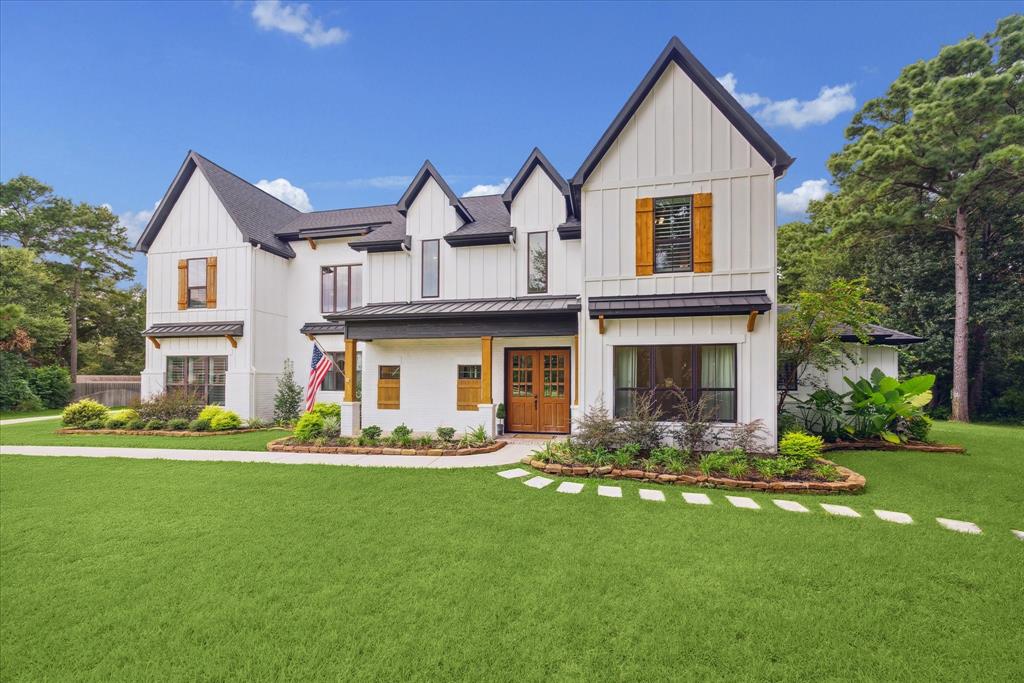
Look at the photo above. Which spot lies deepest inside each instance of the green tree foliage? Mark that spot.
(939, 152)
(109, 325)
(288, 399)
(32, 306)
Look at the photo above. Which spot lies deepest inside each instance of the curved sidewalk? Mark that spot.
(23, 420)
(512, 453)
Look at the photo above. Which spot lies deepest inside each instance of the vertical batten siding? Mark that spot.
(864, 360)
(540, 206)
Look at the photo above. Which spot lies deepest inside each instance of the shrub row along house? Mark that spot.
(652, 268)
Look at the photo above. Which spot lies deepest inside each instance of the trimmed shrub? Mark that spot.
(52, 384)
(177, 424)
(446, 434)
(309, 427)
(119, 419)
(210, 412)
(225, 420)
(167, 406)
(80, 413)
(800, 446)
(198, 425)
(94, 424)
(326, 410)
(155, 425)
(776, 468)
(370, 435)
(135, 424)
(401, 432)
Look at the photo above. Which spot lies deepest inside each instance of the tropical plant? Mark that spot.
(476, 437)
(718, 461)
(776, 468)
(309, 427)
(826, 471)
(225, 420)
(737, 469)
(255, 423)
(823, 413)
(332, 425)
(288, 399)
(81, 412)
(876, 406)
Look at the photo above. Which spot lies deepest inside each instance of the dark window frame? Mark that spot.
(202, 390)
(688, 267)
(380, 372)
(334, 380)
(784, 380)
(200, 303)
(334, 286)
(694, 390)
(423, 269)
(478, 374)
(529, 262)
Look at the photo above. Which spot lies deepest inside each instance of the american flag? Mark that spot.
(318, 368)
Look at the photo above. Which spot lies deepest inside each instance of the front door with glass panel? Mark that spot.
(537, 386)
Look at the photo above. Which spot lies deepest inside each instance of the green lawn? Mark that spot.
(9, 415)
(44, 434)
(127, 570)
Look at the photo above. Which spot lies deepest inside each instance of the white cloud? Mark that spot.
(135, 221)
(287, 193)
(297, 20)
(481, 190)
(797, 200)
(830, 103)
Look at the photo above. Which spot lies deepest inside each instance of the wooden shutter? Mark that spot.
(388, 390)
(645, 236)
(467, 394)
(182, 284)
(702, 232)
(211, 282)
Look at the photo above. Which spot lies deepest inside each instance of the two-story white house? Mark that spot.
(652, 269)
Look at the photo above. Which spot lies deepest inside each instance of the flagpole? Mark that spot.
(323, 351)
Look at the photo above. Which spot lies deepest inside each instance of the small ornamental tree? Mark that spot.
(288, 400)
(810, 334)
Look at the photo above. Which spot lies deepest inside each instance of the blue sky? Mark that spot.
(344, 101)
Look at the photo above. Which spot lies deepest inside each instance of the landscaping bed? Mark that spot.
(802, 481)
(290, 444)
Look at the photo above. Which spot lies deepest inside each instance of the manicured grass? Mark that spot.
(11, 415)
(123, 569)
(44, 434)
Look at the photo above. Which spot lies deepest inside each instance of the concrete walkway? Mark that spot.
(21, 420)
(512, 453)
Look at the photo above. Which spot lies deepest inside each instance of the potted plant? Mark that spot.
(500, 414)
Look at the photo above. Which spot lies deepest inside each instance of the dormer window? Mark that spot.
(341, 288)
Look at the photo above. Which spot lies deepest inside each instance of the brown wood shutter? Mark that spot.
(388, 389)
(702, 232)
(645, 236)
(467, 396)
(182, 284)
(211, 282)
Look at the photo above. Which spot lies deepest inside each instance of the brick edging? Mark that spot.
(279, 446)
(851, 482)
(886, 446)
(154, 432)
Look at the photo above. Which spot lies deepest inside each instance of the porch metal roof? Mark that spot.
(679, 305)
(213, 329)
(461, 308)
(323, 328)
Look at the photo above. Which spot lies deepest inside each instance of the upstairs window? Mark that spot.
(431, 270)
(197, 283)
(341, 288)
(537, 267)
(673, 234)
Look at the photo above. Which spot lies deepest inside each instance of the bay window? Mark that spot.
(672, 372)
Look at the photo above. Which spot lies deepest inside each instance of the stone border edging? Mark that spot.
(155, 432)
(851, 482)
(279, 446)
(886, 446)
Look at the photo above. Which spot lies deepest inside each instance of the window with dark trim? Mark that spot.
(671, 372)
(431, 270)
(203, 376)
(673, 234)
(537, 265)
(341, 288)
(334, 380)
(197, 283)
(787, 377)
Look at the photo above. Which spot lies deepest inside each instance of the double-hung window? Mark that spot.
(341, 288)
(674, 372)
(197, 283)
(202, 376)
(673, 234)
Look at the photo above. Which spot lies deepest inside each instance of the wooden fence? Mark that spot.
(110, 390)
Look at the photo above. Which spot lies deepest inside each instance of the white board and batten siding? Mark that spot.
(860, 363)
(540, 207)
(679, 143)
(198, 226)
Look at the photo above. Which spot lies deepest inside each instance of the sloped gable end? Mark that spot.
(426, 172)
(675, 53)
(535, 160)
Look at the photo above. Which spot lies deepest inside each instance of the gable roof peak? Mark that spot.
(675, 52)
(535, 159)
(426, 172)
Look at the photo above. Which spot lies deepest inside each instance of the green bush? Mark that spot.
(719, 461)
(288, 399)
(80, 413)
(177, 424)
(370, 435)
(624, 456)
(225, 420)
(15, 391)
(916, 428)
(52, 384)
(210, 412)
(327, 409)
(777, 468)
(119, 419)
(199, 425)
(826, 471)
(737, 469)
(255, 423)
(800, 446)
(598, 429)
(170, 405)
(135, 424)
(94, 424)
(446, 434)
(401, 432)
(332, 425)
(475, 437)
(156, 425)
(309, 427)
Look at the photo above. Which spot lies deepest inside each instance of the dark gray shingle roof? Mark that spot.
(492, 224)
(365, 216)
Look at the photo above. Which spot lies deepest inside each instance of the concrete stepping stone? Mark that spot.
(790, 506)
(1018, 534)
(743, 502)
(513, 474)
(957, 525)
(609, 491)
(538, 482)
(570, 487)
(696, 498)
(651, 494)
(897, 517)
(840, 510)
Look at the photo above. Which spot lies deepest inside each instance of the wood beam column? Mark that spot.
(485, 370)
(350, 370)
